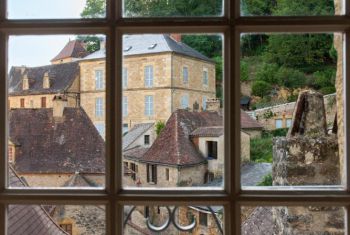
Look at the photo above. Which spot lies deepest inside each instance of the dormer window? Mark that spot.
(46, 81)
(127, 48)
(25, 85)
(152, 46)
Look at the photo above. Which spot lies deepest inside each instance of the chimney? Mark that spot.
(176, 37)
(195, 107)
(25, 82)
(22, 68)
(213, 105)
(46, 81)
(58, 105)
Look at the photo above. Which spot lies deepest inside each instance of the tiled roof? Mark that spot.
(135, 133)
(135, 153)
(79, 180)
(61, 78)
(249, 123)
(212, 131)
(259, 222)
(74, 49)
(47, 145)
(138, 44)
(29, 219)
(173, 146)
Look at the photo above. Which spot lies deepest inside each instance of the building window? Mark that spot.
(100, 127)
(148, 76)
(99, 83)
(152, 173)
(67, 227)
(203, 219)
(148, 105)
(146, 139)
(43, 102)
(99, 107)
(204, 102)
(205, 77)
(167, 175)
(212, 149)
(278, 123)
(288, 122)
(125, 128)
(133, 169)
(10, 154)
(125, 106)
(22, 102)
(185, 75)
(125, 78)
(184, 101)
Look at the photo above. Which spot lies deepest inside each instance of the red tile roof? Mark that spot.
(173, 146)
(249, 123)
(211, 131)
(74, 49)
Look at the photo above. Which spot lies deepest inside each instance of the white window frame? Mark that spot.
(149, 105)
(205, 77)
(114, 197)
(185, 101)
(278, 123)
(185, 74)
(99, 107)
(204, 103)
(125, 106)
(149, 75)
(99, 81)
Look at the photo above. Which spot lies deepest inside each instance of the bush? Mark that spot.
(291, 78)
(261, 88)
(325, 78)
(244, 71)
(267, 181)
(279, 132)
(267, 73)
(327, 90)
(159, 127)
(261, 149)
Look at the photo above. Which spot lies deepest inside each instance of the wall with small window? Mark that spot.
(37, 101)
(212, 148)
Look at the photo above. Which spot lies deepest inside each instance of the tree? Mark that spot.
(261, 88)
(291, 78)
(159, 127)
(267, 73)
(94, 9)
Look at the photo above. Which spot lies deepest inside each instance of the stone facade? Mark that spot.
(245, 147)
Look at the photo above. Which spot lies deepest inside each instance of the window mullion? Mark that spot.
(3, 111)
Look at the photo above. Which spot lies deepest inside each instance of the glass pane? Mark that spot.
(56, 101)
(293, 220)
(56, 219)
(173, 8)
(292, 7)
(173, 220)
(172, 111)
(292, 127)
(59, 9)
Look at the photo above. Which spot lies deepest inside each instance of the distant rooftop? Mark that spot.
(73, 49)
(134, 133)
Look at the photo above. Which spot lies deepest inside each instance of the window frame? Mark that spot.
(99, 80)
(232, 197)
(99, 112)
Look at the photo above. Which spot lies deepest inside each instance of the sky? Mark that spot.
(39, 50)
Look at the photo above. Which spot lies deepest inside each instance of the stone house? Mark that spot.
(36, 87)
(54, 144)
(250, 126)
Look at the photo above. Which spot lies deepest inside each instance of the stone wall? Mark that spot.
(34, 101)
(245, 147)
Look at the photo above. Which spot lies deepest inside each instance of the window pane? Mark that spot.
(291, 7)
(56, 219)
(293, 220)
(292, 128)
(186, 219)
(173, 8)
(59, 9)
(56, 114)
(184, 121)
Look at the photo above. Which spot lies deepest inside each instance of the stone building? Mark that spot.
(36, 87)
(51, 145)
(73, 51)
(250, 126)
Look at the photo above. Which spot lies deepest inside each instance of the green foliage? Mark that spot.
(267, 181)
(278, 132)
(159, 127)
(92, 42)
(304, 8)
(244, 71)
(325, 78)
(268, 114)
(257, 7)
(253, 44)
(328, 90)
(261, 149)
(292, 98)
(267, 73)
(290, 78)
(94, 9)
(261, 88)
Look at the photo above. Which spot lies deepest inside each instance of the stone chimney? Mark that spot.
(46, 81)
(25, 82)
(195, 107)
(213, 105)
(58, 105)
(176, 37)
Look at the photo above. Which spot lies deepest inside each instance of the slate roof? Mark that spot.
(212, 131)
(135, 133)
(29, 219)
(249, 123)
(61, 78)
(135, 153)
(259, 222)
(173, 146)
(138, 44)
(47, 145)
(74, 49)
